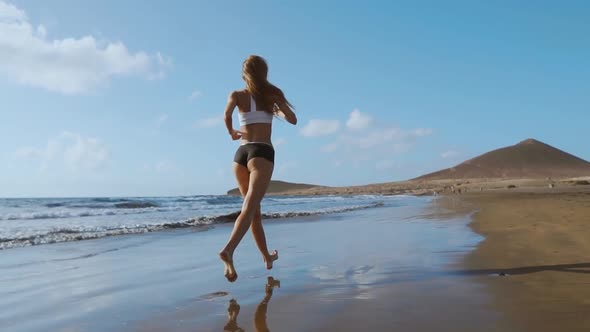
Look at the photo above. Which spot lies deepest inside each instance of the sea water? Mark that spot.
(33, 221)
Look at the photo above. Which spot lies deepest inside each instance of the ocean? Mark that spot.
(35, 221)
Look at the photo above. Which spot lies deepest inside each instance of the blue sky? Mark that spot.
(105, 98)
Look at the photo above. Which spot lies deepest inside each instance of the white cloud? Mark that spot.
(279, 142)
(380, 136)
(68, 65)
(41, 31)
(449, 154)
(28, 152)
(44, 155)
(162, 167)
(329, 147)
(165, 166)
(9, 12)
(161, 119)
(316, 127)
(286, 166)
(402, 146)
(398, 138)
(421, 132)
(360, 147)
(358, 120)
(84, 152)
(74, 150)
(195, 95)
(208, 122)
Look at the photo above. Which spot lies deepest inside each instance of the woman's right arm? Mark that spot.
(232, 102)
(287, 113)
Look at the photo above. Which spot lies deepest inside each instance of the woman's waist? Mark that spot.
(256, 133)
(245, 142)
(255, 138)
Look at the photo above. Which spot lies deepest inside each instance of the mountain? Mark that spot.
(527, 159)
(278, 187)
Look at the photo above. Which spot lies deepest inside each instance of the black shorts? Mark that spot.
(253, 150)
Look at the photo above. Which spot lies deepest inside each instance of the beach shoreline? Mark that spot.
(417, 187)
(401, 264)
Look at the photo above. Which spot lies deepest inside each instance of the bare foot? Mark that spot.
(271, 258)
(230, 272)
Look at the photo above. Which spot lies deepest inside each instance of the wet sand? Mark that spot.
(387, 268)
(373, 270)
(415, 267)
(541, 240)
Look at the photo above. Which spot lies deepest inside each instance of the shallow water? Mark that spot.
(172, 281)
(34, 221)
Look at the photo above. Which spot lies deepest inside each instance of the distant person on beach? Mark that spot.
(253, 163)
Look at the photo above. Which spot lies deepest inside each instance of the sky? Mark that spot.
(126, 98)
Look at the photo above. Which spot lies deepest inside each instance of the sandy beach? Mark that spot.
(427, 263)
(540, 240)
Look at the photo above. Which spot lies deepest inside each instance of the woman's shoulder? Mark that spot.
(240, 95)
(241, 98)
(242, 92)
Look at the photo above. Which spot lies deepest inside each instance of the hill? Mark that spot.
(527, 159)
(279, 187)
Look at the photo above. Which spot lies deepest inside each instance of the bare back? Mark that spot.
(255, 132)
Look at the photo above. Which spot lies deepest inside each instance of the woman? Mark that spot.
(254, 160)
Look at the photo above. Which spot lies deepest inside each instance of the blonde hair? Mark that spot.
(254, 73)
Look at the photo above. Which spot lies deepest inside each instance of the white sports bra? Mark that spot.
(254, 116)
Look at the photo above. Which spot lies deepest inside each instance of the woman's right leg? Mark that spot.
(260, 239)
(260, 175)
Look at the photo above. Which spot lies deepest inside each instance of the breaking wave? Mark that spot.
(84, 233)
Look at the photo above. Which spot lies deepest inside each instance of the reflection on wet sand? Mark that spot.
(259, 316)
(232, 316)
